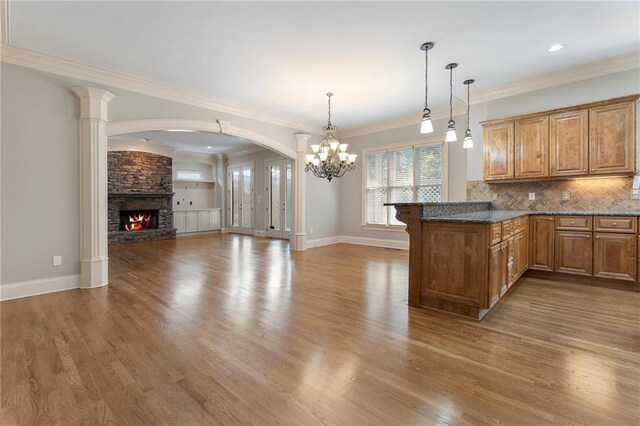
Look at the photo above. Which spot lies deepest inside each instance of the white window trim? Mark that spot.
(386, 148)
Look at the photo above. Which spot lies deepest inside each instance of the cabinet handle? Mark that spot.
(573, 223)
(614, 224)
(597, 236)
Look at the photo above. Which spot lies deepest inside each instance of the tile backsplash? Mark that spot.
(596, 194)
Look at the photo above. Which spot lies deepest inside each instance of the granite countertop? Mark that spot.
(486, 216)
(495, 216)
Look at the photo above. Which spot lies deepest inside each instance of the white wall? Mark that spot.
(39, 156)
(464, 164)
(191, 195)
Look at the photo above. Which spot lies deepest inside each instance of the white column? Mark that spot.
(94, 261)
(299, 240)
(222, 189)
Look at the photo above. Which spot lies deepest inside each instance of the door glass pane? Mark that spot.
(289, 195)
(246, 198)
(235, 198)
(274, 198)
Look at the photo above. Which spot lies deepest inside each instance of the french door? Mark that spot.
(240, 197)
(279, 198)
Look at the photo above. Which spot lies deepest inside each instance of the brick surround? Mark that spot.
(139, 181)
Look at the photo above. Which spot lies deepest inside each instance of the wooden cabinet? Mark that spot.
(204, 220)
(624, 224)
(614, 256)
(197, 220)
(573, 252)
(532, 147)
(191, 220)
(591, 139)
(498, 146)
(498, 272)
(541, 253)
(568, 143)
(574, 223)
(612, 139)
(518, 257)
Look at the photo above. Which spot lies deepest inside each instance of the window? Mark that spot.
(413, 173)
(188, 175)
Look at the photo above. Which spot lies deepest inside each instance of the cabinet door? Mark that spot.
(191, 221)
(215, 219)
(573, 252)
(568, 143)
(497, 272)
(498, 151)
(615, 256)
(523, 252)
(204, 220)
(532, 147)
(612, 139)
(178, 222)
(541, 244)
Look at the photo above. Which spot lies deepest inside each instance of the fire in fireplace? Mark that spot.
(138, 220)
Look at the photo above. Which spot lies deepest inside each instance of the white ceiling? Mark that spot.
(188, 141)
(283, 57)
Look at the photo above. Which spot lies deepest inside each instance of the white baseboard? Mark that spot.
(36, 287)
(363, 241)
(323, 241)
(375, 242)
(259, 233)
(190, 234)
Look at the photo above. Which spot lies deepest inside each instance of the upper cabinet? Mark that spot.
(498, 151)
(532, 148)
(569, 143)
(612, 139)
(591, 139)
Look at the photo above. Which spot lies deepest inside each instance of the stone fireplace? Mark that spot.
(140, 197)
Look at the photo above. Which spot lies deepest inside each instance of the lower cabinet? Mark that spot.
(541, 253)
(196, 220)
(518, 259)
(614, 256)
(497, 272)
(573, 252)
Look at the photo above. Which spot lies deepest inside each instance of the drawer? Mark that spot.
(616, 224)
(496, 233)
(574, 223)
(513, 227)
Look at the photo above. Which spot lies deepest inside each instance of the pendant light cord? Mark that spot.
(468, 89)
(426, 79)
(450, 95)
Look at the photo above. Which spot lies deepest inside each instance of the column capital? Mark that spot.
(301, 141)
(93, 102)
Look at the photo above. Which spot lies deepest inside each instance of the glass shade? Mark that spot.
(451, 135)
(323, 156)
(343, 156)
(316, 161)
(468, 142)
(343, 147)
(426, 126)
(309, 158)
(334, 145)
(352, 158)
(315, 148)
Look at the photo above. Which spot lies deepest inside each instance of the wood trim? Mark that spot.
(586, 280)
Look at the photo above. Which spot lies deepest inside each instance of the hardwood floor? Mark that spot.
(234, 329)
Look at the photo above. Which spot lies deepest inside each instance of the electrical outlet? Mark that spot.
(310, 231)
(532, 196)
(635, 194)
(566, 195)
(57, 260)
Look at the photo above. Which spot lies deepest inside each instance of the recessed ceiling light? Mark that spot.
(555, 48)
(209, 147)
(179, 130)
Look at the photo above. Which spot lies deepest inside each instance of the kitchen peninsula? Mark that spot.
(464, 257)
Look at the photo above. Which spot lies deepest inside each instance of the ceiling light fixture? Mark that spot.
(468, 140)
(451, 125)
(426, 126)
(555, 48)
(330, 158)
(209, 147)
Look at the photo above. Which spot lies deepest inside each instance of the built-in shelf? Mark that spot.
(192, 180)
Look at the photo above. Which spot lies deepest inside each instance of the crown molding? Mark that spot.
(72, 69)
(244, 152)
(557, 78)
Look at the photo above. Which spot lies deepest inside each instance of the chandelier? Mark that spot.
(330, 158)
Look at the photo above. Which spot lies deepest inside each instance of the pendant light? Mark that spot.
(468, 140)
(451, 125)
(425, 125)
